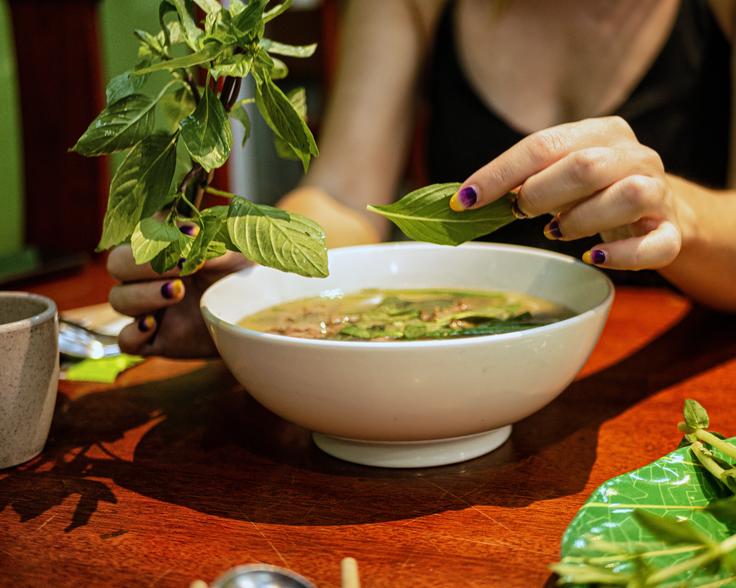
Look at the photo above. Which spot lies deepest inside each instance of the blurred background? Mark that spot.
(55, 58)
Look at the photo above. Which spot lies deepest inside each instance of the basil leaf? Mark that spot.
(191, 30)
(671, 531)
(139, 187)
(283, 119)
(150, 237)
(237, 65)
(204, 55)
(210, 222)
(175, 106)
(276, 10)
(122, 86)
(301, 51)
(249, 19)
(696, 417)
(278, 239)
(119, 126)
(425, 215)
(169, 257)
(241, 114)
(152, 43)
(207, 134)
(298, 99)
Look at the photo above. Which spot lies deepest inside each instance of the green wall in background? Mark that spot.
(11, 170)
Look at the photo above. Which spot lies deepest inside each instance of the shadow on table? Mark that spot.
(212, 448)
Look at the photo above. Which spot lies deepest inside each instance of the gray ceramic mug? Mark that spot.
(29, 373)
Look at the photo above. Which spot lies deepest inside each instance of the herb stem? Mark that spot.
(707, 461)
(714, 441)
(216, 192)
(726, 546)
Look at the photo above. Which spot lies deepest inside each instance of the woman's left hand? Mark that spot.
(594, 177)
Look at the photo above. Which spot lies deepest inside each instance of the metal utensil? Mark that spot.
(78, 341)
(261, 576)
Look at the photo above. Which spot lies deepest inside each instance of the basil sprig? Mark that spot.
(161, 181)
(425, 215)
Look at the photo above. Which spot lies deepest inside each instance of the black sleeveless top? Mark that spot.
(680, 108)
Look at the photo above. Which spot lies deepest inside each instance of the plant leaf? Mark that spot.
(283, 119)
(241, 114)
(298, 99)
(204, 55)
(119, 126)
(250, 18)
(278, 239)
(191, 31)
(301, 51)
(150, 237)
(139, 187)
(425, 215)
(209, 5)
(175, 106)
(237, 65)
(675, 486)
(276, 11)
(206, 132)
(696, 417)
(210, 222)
(672, 531)
(122, 86)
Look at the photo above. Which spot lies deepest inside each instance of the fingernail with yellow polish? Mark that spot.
(594, 257)
(146, 323)
(464, 198)
(173, 289)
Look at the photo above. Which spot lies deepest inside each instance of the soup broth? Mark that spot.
(406, 315)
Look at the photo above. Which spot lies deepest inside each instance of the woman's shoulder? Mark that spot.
(725, 14)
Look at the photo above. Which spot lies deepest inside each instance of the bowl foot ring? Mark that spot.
(412, 454)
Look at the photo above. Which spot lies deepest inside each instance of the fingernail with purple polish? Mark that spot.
(146, 323)
(172, 289)
(468, 196)
(552, 230)
(190, 230)
(180, 264)
(598, 256)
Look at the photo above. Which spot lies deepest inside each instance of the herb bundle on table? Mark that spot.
(670, 523)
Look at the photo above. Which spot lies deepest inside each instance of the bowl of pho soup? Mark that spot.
(410, 354)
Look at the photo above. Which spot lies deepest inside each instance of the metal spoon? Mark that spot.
(78, 341)
(261, 576)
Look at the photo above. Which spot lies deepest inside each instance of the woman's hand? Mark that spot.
(180, 330)
(594, 177)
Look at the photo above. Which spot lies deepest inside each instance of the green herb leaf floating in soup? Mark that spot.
(406, 315)
(425, 215)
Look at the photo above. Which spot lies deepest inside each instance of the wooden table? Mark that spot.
(174, 473)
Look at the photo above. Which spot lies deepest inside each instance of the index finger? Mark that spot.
(533, 154)
(122, 266)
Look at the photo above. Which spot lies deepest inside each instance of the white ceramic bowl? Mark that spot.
(414, 403)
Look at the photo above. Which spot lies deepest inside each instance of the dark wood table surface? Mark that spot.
(174, 473)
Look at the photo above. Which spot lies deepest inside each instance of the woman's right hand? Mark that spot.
(166, 307)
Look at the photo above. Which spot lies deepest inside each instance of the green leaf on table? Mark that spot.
(284, 120)
(209, 52)
(278, 239)
(119, 126)
(696, 417)
(606, 532)
(139, 187)
(425, 215)
(207, 134)
(122, 86)
(150, 237)
(300, 51)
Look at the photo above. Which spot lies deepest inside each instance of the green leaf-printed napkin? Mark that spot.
(103, 370)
